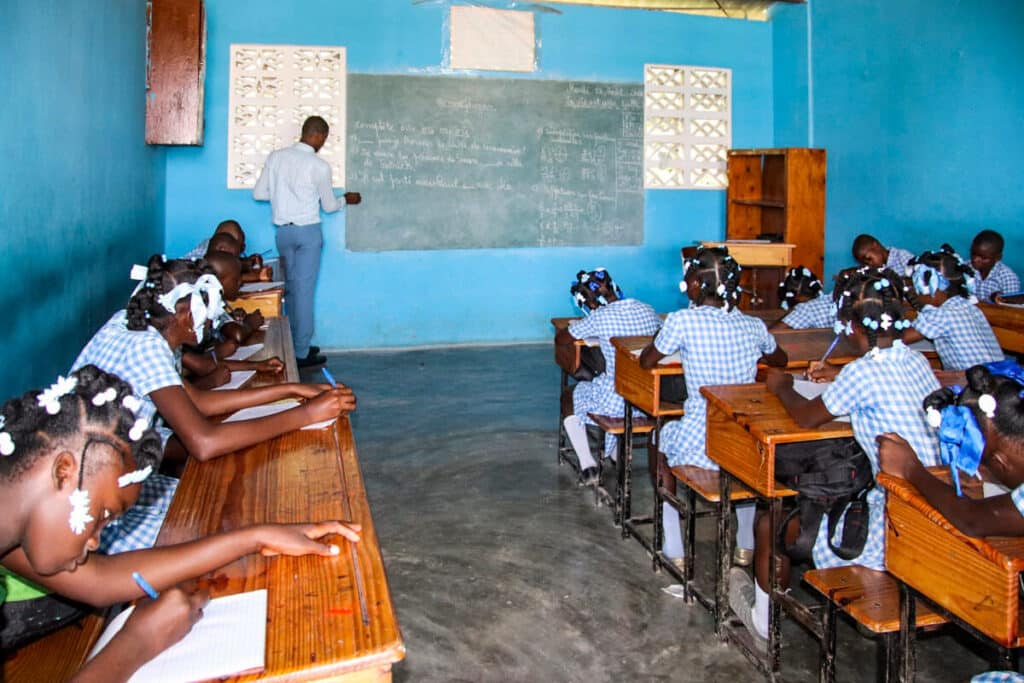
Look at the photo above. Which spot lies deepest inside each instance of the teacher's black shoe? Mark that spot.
(314, 350)
(311, 360)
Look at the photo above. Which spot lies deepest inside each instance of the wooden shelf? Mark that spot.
(763, 203)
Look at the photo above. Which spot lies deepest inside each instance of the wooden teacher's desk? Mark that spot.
(975, 580)
(315, 627)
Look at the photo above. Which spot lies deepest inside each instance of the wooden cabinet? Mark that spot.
(175, 70)
(777, 195)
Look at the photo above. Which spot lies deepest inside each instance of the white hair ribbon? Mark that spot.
(134, 477)
(79, 516)
(201, 310)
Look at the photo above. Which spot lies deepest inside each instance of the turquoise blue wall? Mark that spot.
(919, 105)
(430, 297)
(81, 193)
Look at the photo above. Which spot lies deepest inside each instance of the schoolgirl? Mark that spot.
(610, 315)
(882, 392)
(73, 458)
(943, 295)
(802, 295)
(717, 344)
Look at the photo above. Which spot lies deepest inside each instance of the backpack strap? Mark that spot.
(855, 525)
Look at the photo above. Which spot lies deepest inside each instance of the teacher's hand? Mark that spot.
(353, 198)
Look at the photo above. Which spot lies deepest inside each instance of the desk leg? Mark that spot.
(774, 613)
(908, 634)
(561, 428)
(624, 504)
(827, 667)
(724, 553)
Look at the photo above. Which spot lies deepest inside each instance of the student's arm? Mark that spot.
(198, 363)
(808, 414)
(204, 439)
(273, 365)
(911, 335)
(995, 516)
(650, 356)
(107, 579)
(152, 628)
(776, 358)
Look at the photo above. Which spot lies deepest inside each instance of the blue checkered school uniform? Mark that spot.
(143, 359)
(716, 347)
(962, 335)
(817, 312)
(138, 527)
(898, 260)
(880, 394)
(1000, 279)
(199, 251)
(621, 318)
(998, 677)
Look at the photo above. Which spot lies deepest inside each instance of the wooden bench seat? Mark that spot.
(705, 483)
(57, 656)
(617, 425)
(871, 597)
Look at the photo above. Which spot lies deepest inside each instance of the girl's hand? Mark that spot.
(896, 457)
(254, 320)
(221, 375)
(822, 372)
(312, 390)
(255, 261)
(331, 404)
(155, 625)
(777, 379)
(274, 366)
(303, 539)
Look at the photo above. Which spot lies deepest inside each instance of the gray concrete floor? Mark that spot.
(502, 570)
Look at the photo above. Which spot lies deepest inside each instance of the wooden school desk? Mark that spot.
(268, 302)
(745, 423)
(974, 580)
(804, 347)
(277, 341)
(1008, 324)
(315, 629)
(639, 388)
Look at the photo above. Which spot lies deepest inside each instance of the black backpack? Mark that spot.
(833, 477)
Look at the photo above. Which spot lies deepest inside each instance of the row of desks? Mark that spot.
(315, 629)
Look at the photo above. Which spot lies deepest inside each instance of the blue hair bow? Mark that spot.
(960, 442)
(1008, 368)
(927, 280)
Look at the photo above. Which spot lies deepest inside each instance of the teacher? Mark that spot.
(298, 184)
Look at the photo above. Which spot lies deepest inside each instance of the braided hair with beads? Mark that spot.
(801, 284)
(593, 287)
(162, 276)
(871, 298)
(935, 271)
(718, 275)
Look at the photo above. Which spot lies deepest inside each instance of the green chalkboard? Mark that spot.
(461, 163)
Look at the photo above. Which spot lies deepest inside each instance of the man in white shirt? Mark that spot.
(298, 184)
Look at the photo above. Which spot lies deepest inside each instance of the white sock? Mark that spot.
(745, 526)
(672, 545)
(578, 437)
(760, 612)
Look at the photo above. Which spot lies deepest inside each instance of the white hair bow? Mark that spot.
(201, 310)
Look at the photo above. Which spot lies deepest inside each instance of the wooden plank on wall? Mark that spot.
(174, 102)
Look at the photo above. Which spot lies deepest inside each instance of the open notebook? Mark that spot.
(245, 352)
(250, 287)
(272, 409)
(230, 639)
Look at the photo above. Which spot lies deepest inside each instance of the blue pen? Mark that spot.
(144, 585)
(329, 377)
(831, 348)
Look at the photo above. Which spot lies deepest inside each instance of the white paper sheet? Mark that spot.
(238, 378)
(272, 409)
(811, 390)
(229, 639)
(250, 287)
(670, 359)
(246, 352)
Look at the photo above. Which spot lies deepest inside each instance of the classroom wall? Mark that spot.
(82, 194)
(481, 295)
(918, 104)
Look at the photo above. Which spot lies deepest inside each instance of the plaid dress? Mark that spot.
(138, 527)
(1000, 279)
(898, 260)
(817, 312)
(882, 394)
(143, 359)
(961, 333)
(621, 318)
(716, 347)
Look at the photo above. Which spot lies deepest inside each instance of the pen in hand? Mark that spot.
(330, 378)
(821, 363)
(144, 585)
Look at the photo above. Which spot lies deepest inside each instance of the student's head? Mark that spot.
(712, 278)
(799, 286)
(178, 298)
(593, 289)
(984, 422)
(314, 132)
(234, 229)
(869, 306)
(73, 458)
(228, 270)
(225, 243)
(939, 271)
(986, 250)
(868, 251)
